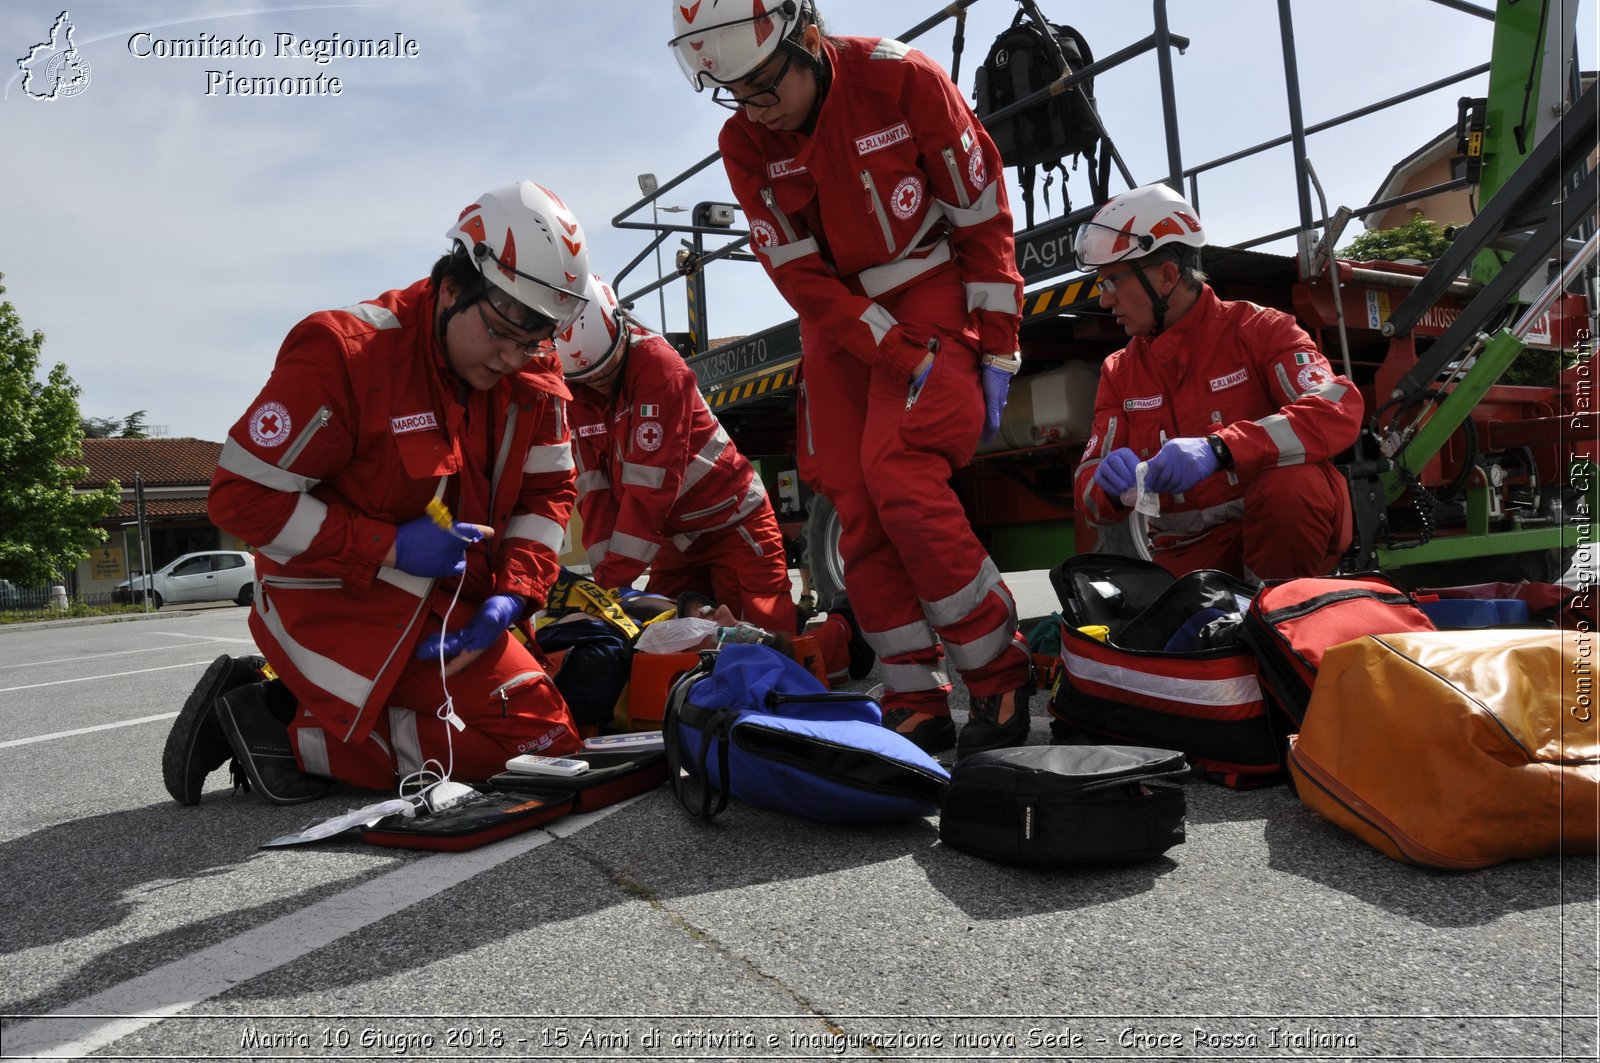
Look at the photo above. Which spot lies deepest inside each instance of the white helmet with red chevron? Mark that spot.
(527, 243)
(1139, 222)
(592, 343)
(725, 40)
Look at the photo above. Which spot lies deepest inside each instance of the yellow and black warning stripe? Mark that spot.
(1059, 297)
(769, 381)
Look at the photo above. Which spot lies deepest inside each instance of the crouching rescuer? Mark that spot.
(387, 626)
(1230, 407)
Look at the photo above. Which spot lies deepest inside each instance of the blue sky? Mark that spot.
(165, 239)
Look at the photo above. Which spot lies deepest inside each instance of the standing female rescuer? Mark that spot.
(662, 487)
(875, 203)
(389, 631)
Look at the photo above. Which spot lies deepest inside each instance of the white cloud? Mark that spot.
(165, 240)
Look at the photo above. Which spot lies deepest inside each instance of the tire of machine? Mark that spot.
(822, 552)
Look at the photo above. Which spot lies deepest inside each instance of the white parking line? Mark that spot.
(85, 730)
(113, 675)
(92, 1023)
(122, 653)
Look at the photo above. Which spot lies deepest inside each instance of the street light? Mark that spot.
(648, 186)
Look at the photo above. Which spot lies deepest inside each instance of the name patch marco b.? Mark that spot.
(413, 422)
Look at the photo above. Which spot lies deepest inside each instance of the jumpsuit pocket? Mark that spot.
(947, 414)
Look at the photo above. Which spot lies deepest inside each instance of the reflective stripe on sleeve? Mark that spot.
(541, 530)
(783, 254)
(999, 296)
(879, 320)
(987, 208)
(1290, 450)
(298, 531)
(549, 457)
(239, 461)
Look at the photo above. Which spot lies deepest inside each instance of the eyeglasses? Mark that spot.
(767, 97)
(533, 348)
(1109, 281)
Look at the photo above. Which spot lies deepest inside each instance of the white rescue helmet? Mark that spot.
(590, 345)
(527, 245)
(1137, 223)
(725, 40)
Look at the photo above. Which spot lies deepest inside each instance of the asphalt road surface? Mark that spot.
(133, 928)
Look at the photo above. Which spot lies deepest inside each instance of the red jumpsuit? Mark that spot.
(661, 486)
(1252, 377)
(358, 427)
(887, 227)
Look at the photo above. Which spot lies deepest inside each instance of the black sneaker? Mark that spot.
(862, 655)
(260, 743)
(983, 729)
(933, 735)
(196, 746)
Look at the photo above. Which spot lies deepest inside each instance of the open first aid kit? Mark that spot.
(1153, 660)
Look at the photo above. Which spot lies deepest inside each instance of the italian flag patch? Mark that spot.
(1303, 358)
(649, 410)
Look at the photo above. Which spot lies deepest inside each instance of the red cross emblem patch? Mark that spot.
(649, 436)
(270, 424)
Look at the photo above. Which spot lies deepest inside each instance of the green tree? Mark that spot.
(45, 527)
(1418, 238)
(130, 427)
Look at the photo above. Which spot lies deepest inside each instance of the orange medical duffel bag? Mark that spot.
(1455, 749)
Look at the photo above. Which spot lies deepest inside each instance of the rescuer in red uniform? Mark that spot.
(660, 484)
(389, 632)
(662, 487)
(875, 204)
(1231, 404)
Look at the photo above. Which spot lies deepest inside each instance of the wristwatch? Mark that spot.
(1004, 364)
(1220, 451)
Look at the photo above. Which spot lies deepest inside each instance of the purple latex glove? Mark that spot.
(1115, 473)
(996, 384)
(1180, 464)
(496, 614)
(422, 548)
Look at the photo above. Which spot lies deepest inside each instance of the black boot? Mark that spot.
(983, 729)
(260, 743)
(196, 746)
(862, 655)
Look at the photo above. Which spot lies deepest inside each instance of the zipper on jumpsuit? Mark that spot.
(318, 421)
(875, 206)
(782, 219)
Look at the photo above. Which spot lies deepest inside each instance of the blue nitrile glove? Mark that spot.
(1179, 465)
(496, 614)
(422, 548)
(996, 384)
(1115, 473)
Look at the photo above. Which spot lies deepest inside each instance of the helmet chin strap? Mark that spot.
(1158, 302)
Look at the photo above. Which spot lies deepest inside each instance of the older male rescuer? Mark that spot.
(1231, 408)
(388, 630)
(662, 486)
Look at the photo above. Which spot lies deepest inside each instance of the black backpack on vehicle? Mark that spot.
(1024, 59)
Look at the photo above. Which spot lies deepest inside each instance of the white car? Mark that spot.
(208, 576)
